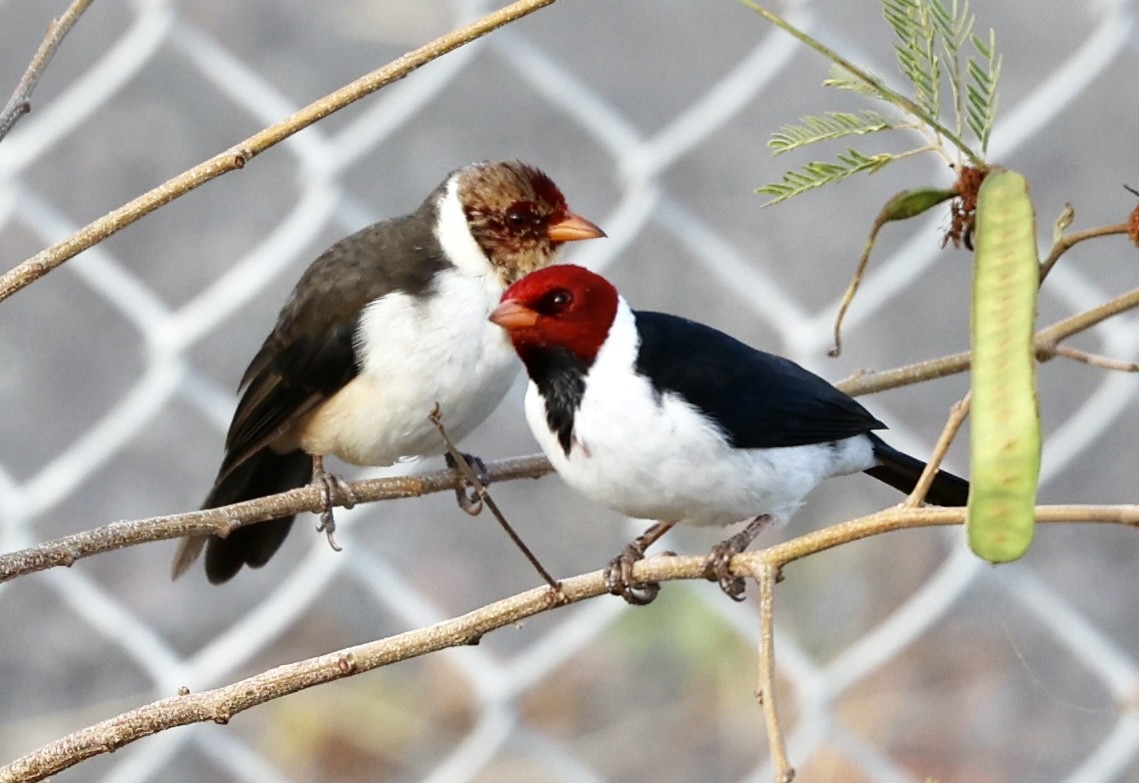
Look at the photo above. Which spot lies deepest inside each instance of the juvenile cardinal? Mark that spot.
(384, 325)
(663, 418)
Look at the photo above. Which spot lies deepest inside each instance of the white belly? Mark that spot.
(417, 352)
(656, 458)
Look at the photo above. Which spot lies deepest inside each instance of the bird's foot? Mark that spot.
(331, 485)
(468, 494)
(718, 568)
(619, 578)
(619, 572)
(718, 564)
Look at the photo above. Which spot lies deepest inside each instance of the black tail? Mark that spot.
(264, 473)
(901, 471)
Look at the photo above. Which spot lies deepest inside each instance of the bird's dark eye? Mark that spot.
(559, 300)
(519, 215)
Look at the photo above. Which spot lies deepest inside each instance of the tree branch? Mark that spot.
(221, 704)
(766, 576)
(223, 521)
(1065, 242)
(21, 101)
(957, 415)
(1046, 347)
(236, 157)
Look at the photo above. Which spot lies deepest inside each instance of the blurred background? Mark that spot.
(898, 658)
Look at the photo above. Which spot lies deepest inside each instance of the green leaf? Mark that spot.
(953, 24)
(914, 24)
(981, 105)
(842, 79)
(819, 173)
(832, 125)
(1005, 431)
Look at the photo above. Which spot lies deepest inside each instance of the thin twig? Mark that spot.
(1066, 241)
(221, 704)
(237, 156)
(767, 577)
(863, 382)
(851, 290)
(1046, 341)
(21, 101)
(1061, 330)
(223, 521)
(957, 415)
(1094, 359)
(472, 478)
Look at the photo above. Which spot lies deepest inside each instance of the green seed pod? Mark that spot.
(911, 203)
(1005, 430)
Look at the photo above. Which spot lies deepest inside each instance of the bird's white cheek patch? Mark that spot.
(454, 234)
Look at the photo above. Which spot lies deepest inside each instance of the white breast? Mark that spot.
(416, 352)
(656, 457)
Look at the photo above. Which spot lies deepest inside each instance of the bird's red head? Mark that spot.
(561, 306)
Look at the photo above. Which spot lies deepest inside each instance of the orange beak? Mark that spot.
(572, 228)
(512, 314)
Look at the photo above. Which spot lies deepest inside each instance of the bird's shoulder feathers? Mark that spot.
(758, 399)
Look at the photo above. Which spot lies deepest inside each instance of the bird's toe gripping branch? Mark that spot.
(619, 573)
(468, 494)
(718, 565)
(330, 485)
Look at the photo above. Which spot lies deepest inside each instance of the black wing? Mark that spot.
(759, 400)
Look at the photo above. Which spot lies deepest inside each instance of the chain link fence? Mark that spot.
(898, 657)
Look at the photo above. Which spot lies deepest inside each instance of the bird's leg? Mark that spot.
(329, 483)
(619, 572)
(717, 567)
(466, 493)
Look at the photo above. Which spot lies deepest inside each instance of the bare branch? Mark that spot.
(237, 156)
(472, 478)
(1066, 241)
(766, 578)
(1048, 338)
(1105, 362)
(957, 415)
(221, 704)
(21, 101)
(1046, 345)
(222, 521)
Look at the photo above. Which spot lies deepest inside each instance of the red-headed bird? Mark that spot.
(663, 418)
(384, 325)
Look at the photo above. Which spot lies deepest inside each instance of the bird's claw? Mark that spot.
(718, 568)
(468, 495)
(718, 564)
(619, 578)
(330, 485)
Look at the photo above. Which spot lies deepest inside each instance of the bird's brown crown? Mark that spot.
(518, 216)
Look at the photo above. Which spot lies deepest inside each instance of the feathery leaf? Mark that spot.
(832, 125)
(842, 79)
(981, 105)
(819, 173)
(913, 23)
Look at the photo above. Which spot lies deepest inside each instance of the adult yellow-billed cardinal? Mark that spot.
(663, 418)
(384, 325)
